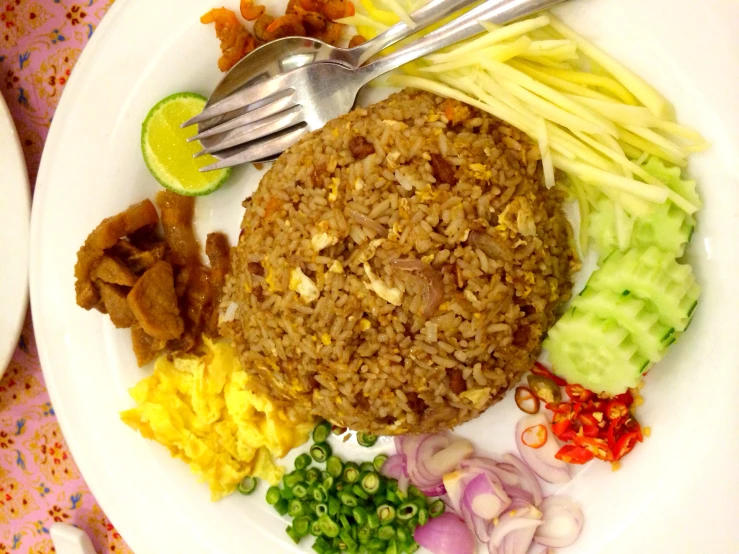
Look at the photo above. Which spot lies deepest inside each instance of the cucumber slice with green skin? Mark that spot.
(654, 276)
(636, 316)
(671, 176)
(603, 227)
(596, 353)
(668, 228)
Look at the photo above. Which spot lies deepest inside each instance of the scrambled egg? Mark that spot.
(303, 285)
(201, 409)
(478, 397)
(390, 294)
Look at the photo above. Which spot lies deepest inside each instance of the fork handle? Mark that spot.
(462, 28)
(431, 13)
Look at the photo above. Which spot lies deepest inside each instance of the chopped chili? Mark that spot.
(535, 436)
(544, 388)
(578, 393)
(598, 447)
(539, 369)
(574, 454)
(526, 401)
(616, 410)
(624, 445)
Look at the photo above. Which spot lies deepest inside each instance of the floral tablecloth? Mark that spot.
(40, 41)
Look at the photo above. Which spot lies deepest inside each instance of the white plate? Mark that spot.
(15, 208)
(676, 493)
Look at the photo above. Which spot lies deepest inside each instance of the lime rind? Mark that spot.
(159, 169)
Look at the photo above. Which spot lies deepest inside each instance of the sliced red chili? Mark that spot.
(526, 401)
(624, 445)
(539, 369)
(611, 436)
(535, 436)
(559, 427)
(590, 431)
(559, 407)
(586, 418)
(574, 454)
(633, 426)
(598, 447)
(616, 410)
(578, 393)
(627, 398)
(568, 435)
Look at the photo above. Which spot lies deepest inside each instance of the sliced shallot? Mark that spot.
(541, 460)
(446, 534)
(563, 520)
(365, 221)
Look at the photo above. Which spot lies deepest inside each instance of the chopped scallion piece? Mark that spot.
(407, 510)
(302, 461)
(386, 513)
(366, 439)
(334, 466)
(436, 508)
(273, 495)
(320, 452)
(321, 432)
(379, 461)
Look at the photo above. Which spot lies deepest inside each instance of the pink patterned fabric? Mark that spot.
(40, 41)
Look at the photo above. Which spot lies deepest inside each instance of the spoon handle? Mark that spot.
(431, 13)
(464, 27)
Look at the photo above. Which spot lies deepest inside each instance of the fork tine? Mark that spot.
(258, 129)
(249, 117)
(243, 97)
(267, 148)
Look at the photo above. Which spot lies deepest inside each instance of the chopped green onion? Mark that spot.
(386, 532)
(281, 506)
(386, 513)
(320, 509)
(366, 467)
(351, 472)
(436, 508)
(364, 534)
(292, 534)
(328, 482)
(379, 499)
(373, 522)
(334, 505)
(273, 495)
(300, 490)
(412, 547)
(328, 526)
(345, 522)
(350, 543)
(287, 493)
(393, 497)
(313, 474)
(379, 461)
(360, 515)
(315, 530)
(301, 526)
(334, 466)
(415, 492)
(376, 545)
(403, 536)
(302, 461)
(321, 546)
(359, 491)
(247, 485)
(345, 510)
(292, 479)
(348, 499)
(336, 430)
(322, 432)
(423, 516)
(295, 508)
(320, 452)
(370, 482)
(407, 510)
(320, 494)
(366, 439)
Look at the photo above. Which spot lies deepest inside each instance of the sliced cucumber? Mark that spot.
(651, 275)
(671, 176)
(636, 316)
(595, 353)
(668, 227)
(603, 227)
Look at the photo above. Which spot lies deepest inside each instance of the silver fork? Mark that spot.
(306, 98)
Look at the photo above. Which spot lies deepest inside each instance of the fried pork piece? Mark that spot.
(135, 259)
(177, 213)
(110, 270)
(146, 347)
(105, 236)
(236, 41)
(218, 251)
(154, 303)
(116, 305)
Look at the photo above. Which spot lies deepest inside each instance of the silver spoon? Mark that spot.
(288, 53)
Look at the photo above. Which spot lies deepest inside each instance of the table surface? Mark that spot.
(40, 41)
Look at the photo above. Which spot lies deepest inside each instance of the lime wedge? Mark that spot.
(167, 153)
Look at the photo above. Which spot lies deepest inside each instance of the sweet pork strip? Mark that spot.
(177, 213)
(114, 300)
(105, 236)
(154, 303)
(111, 270)
(218, 251)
